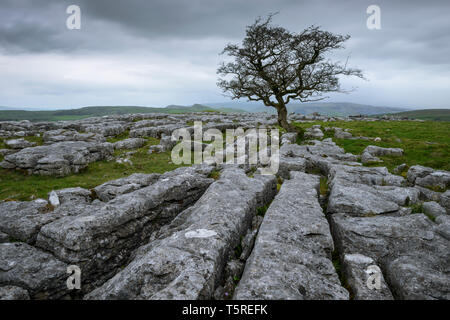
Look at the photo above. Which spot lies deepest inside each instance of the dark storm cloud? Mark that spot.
(189, 34)
(37, 26)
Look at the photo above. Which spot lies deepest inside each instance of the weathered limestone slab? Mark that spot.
(61, 135)
(288, 137)
(291, 258)
(433, 209)
(75, 195)
(415, 172)
(187, 260)
(58, 159)
(13, 293)
(379, 151)
(439, 179)
(411, 253)
(100, 239)
(445, 200)
(111, 189)
(358, 270)
(24, 266)
(349, 175)
(19, 143)
(361, 199)
(106, 129)
(23, 220)
(131, 143)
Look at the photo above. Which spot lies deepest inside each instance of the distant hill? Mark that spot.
(324, 108)
(426, 114)
(86, 112)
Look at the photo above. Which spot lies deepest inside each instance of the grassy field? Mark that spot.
(424, 143)
(16, 185)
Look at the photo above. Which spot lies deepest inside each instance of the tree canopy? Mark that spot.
(275, 66)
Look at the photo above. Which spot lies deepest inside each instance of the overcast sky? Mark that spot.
(161, 52)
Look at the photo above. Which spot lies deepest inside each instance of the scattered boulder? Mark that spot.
(58, 159)
(415, 172)
(53, 199)
(61, 135)
(131, 143)
(379, 151)
(367, 158)
(313, 133)
(289, 137)
(433, 209)
(436, 179)
(165, 144)
(400, 168)
(341, 134)
(445, 200)
(19, 143)
(77, 195)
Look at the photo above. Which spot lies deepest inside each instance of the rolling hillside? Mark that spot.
(426, 114)
(86, 112)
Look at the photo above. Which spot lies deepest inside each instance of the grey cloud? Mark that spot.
(414, 33)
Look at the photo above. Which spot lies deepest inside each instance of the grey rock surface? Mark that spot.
(433, 209)
(379, 151)
(111, 189)
(13, 293)
(131, 143)
(445, 200)
(411, 253)
(188, 258)
(365, 278)
(415, 172)
(23, 220)
(19, 143)
(75, 195)
(22, 265)
(100, 238)
(58, 159)
(292, 254)
(61, 135)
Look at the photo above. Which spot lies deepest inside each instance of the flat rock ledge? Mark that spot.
(187, 260)
(58, 159)
(292, 254)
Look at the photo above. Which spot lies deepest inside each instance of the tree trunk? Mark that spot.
(282, 118)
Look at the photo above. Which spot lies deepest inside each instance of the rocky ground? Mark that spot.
(324, 227)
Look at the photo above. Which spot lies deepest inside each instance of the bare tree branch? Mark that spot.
(276, 66)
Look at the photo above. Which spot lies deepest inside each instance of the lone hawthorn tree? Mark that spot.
(276, 66)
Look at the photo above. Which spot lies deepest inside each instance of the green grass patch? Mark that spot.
(424, 143)
(338, 267)
(124, 135)
(323, 185)
(261, 211)
(38, 140)
(418, 208)
(215, 174)
(16, 185)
